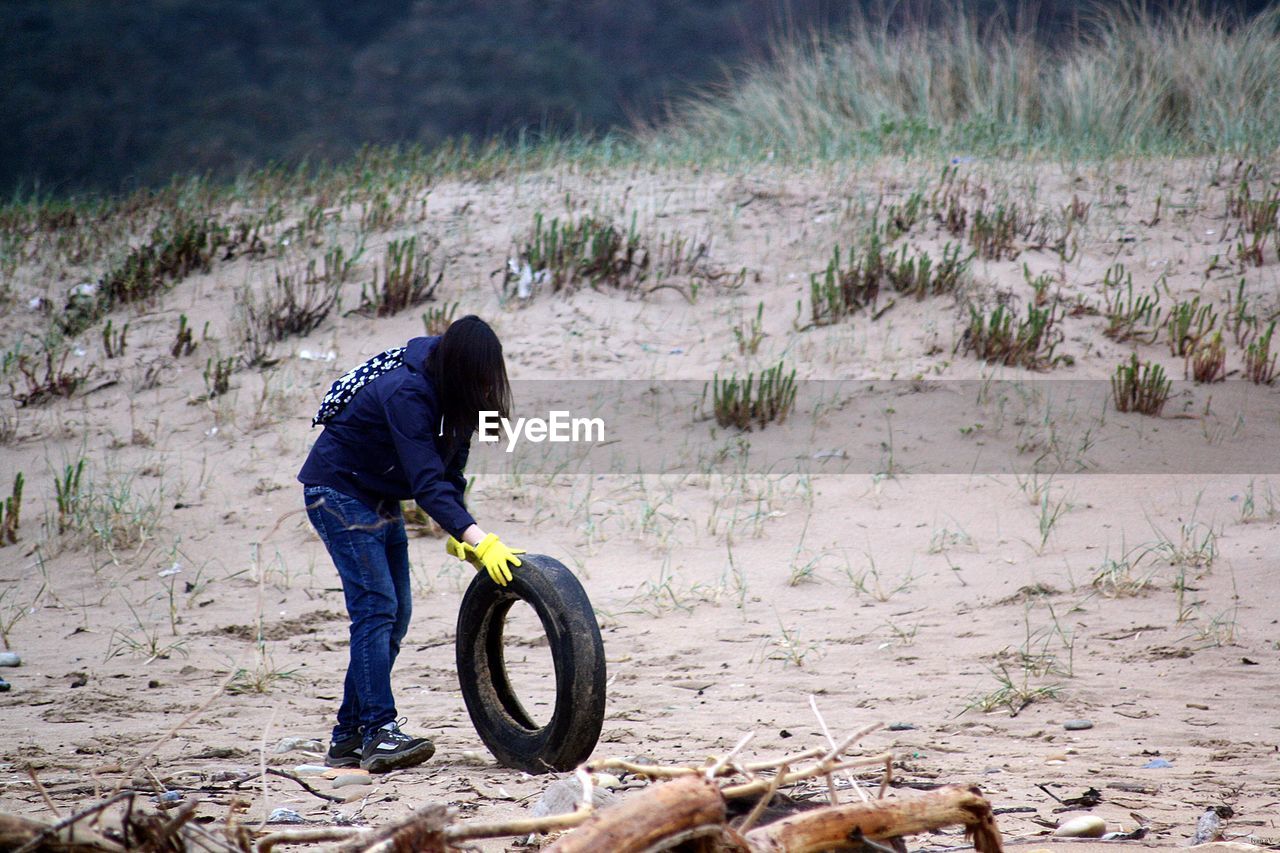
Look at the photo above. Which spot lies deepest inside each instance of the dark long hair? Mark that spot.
(470, 376)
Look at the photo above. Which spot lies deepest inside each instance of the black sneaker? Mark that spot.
(345, 753)
(392, 749)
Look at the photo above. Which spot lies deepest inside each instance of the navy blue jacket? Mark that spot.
(385, 447)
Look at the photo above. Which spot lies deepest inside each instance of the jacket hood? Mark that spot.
(417, 351)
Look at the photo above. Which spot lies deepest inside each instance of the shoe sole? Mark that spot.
(408, 758)
(353, 761)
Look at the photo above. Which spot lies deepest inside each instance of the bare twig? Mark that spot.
(831, 741)
(714, 770)
(750, 789)
(310, 835)
(763, 802)
(204, 706)
(35, 780)
(285, 774)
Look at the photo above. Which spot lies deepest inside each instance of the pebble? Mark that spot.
(607, 781)
(901, 727)
(352, 779)
(1208, 828)
(1156, 764)
(4, 686)
(305, 744)
(283, 815)
(1077, 725)
(1085, 826)
(310, 769)
(562, 796)
(10, 659)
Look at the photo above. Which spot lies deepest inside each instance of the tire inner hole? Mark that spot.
(529, 663)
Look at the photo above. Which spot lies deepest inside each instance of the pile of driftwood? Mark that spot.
(685, 808)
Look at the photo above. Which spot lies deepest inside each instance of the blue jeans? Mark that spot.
(371, 553)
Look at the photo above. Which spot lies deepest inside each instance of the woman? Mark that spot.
(397, 427)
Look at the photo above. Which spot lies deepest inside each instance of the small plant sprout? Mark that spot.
(217, 376)
(437, 318)
(1012, 693)
(264, 673)
(1140, 388)
(1119, 578)
(790, 648)
(11, 613)
(1249, 509)
(404, 281)
(45, 376)
(998, 337)
(1050, 511)
(1208, 359)
(1259, 361)
(994, 230)
(871, 583)
(751, 403)
(142, 640)
(1130, 317)
(844, 289)
(750, 335)
(183, 342)
(67, 491)
(1188, 324)
(114, 340)
(11, 513)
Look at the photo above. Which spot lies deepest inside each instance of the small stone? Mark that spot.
(10, 659)
(1156, 764)
(563, 795)
(352, 779)
(901, 727)
(283, 815)
(310, 769)
(1085, 826)
(1077, 725)
(305, 744)
(607, 781)
(5, 687)
(1208, 828)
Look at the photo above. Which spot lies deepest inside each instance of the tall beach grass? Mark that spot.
(1129, 81)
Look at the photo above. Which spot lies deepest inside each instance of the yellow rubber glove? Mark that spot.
(463, 551)
(497, 558)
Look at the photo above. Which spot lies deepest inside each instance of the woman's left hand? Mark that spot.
(463, 551)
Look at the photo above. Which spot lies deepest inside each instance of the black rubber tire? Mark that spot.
(576, 648)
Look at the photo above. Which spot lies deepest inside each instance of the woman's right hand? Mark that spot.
(497, 558)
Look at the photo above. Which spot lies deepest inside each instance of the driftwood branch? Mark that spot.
(686, 804)
(308, 835)
(842, 827)
(684, 808)
(17, 833)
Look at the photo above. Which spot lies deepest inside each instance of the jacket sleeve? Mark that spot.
(455, 472)
(413, 420)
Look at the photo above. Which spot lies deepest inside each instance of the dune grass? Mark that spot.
(1127, 82)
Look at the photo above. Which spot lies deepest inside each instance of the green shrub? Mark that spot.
(754, 402)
